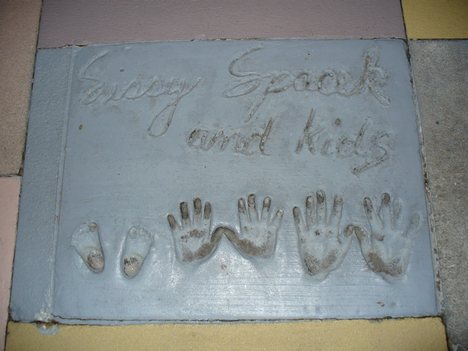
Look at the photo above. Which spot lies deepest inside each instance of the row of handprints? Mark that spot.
(323, 241)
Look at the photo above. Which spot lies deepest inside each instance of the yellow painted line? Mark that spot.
(436, 19)
(425, 334)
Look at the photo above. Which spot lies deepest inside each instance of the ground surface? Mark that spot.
(440, 73)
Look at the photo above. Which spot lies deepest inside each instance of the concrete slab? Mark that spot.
(441, 76)
(152, 125)
(66, 22)
(435, 19)
(403, 334)
(18, 34)
(9, 198)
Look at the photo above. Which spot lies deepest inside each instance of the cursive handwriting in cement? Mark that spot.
(327, 82)
(154, 87)
(371, 148)
(246, 144)
(368, 148)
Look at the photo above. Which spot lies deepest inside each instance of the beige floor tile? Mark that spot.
(9, 196)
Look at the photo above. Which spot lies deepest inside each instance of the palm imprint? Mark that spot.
(258, 232)
(322, 243)
(386, 244)
(192, 237)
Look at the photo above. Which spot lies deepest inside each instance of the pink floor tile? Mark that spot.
(66, 22)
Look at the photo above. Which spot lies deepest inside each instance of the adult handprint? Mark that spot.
(386, 245)
(257, 232)
(322, 244)
(192, 237)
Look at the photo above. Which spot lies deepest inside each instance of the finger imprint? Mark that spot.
(252, 207)
(349, 230)
(266, 208)
(310, 210)
(207, 211)
(197, 209)
(184, 213)
(321, 207)
(337, 210)
(385, 210)
(396, 215)
(243, 218)
(300, 227)
(241, 205)
(172, 222)
(374, 220)
(276, 222)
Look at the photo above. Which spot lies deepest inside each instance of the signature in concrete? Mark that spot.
(327, 82)
(368, 148)
(102, 91)
(246, 143)
(371, 147)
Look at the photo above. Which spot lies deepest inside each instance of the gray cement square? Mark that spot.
(301, 158)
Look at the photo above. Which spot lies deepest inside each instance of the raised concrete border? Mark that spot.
(440, 71)
(67, 22)
(426, 334)
(43, 173)
(19, 22)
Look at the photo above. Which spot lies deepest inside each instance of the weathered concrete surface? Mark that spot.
(66, 22)
(440, 72)
(18, 32)
(103, 173)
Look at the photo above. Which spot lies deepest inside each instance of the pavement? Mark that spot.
(440, 71)
(436, 32)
